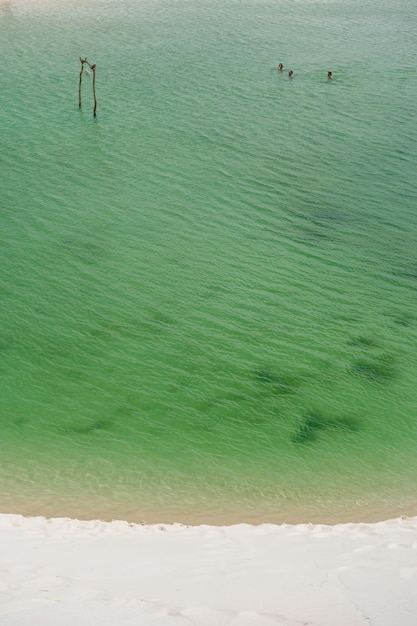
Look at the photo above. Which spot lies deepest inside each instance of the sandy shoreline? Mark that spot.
(215, 516)
(221, 512)
(66, 571)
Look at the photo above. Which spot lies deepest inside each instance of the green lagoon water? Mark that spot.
(208, 294)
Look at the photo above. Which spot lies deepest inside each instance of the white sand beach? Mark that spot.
(65, 572)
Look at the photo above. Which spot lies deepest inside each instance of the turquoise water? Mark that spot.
(208, 293)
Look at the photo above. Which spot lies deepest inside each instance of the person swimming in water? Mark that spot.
(290, 73)
(281, 67)
(329, 75)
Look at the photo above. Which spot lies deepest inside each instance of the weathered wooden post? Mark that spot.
(79, 84)
(93, 69)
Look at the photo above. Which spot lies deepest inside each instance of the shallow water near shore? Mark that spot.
(208, 293)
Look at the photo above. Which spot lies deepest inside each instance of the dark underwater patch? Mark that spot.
(310, 426)
(91, 426)
(83, 250)
(362, 342)
(403, 319)
(377, 370)
(311, 236)
(406, 272)
(313, 423)
(277, 384)
(265, 376)
(329, 216)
